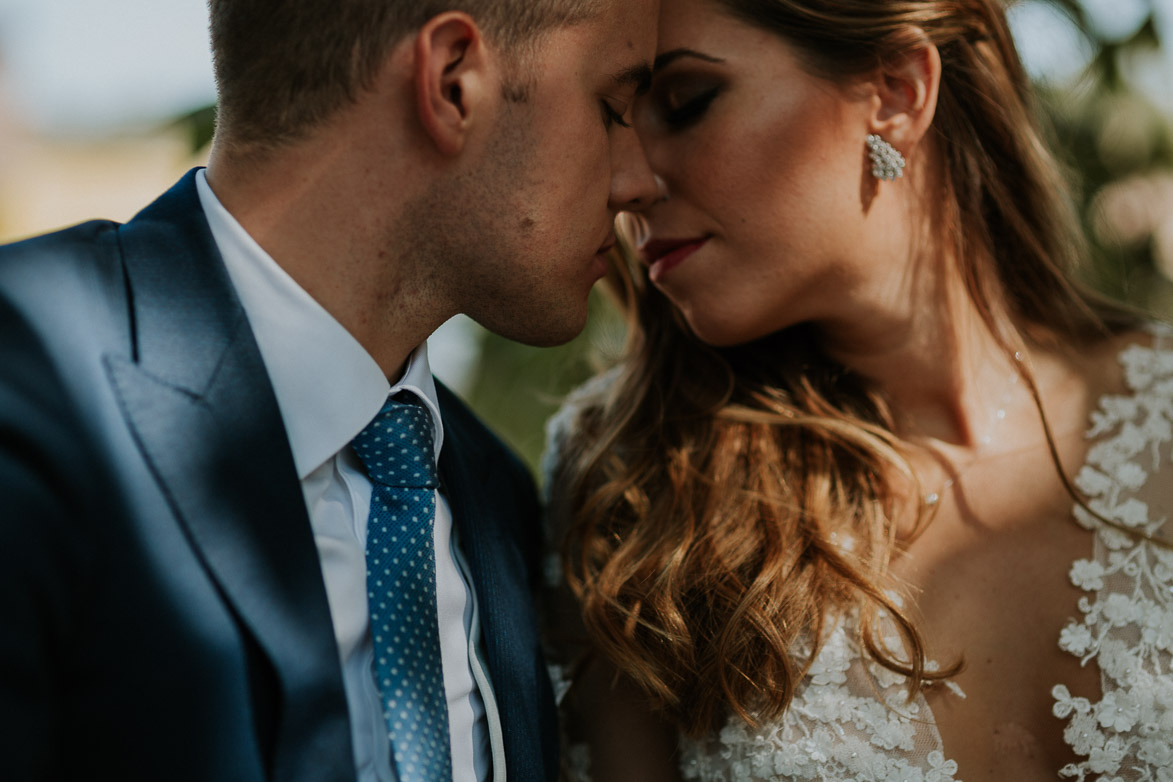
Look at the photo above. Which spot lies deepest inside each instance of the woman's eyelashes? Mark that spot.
(676, 107)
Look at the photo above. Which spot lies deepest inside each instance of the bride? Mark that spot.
(877, 490)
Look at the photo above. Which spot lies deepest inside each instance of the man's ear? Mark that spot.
(906, 91)
(452, 78)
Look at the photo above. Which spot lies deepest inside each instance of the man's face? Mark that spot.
(537, 215)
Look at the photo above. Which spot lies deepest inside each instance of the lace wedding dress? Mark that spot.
(851, 719)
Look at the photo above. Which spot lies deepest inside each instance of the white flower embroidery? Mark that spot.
(1127, 622)
(1132, 513)
(1130, 475)
(1117, 711)
(850, 719)
(940, 770)
(1087, 574)
(1092, 482)
(1075, 639)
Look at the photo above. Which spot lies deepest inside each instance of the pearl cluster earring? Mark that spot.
(887, 162)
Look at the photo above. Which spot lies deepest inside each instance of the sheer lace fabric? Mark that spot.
(852, 719)
(1126, 627)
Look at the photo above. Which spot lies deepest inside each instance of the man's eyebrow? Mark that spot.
(639, 76)
(667, 58)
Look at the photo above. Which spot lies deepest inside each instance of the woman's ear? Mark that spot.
(452, 76)
(906, 90)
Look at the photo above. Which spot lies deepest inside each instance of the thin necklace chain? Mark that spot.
(997, 416)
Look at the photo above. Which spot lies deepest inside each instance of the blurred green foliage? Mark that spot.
(199, 125)
(1105, 128)
(517, 387)
(1118, 144)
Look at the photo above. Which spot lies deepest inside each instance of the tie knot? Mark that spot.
(397, 446)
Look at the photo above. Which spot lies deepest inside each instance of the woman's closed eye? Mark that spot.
(676, 106)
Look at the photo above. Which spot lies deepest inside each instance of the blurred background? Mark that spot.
(104, 105)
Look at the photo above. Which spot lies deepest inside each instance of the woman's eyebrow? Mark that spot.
(667, 58)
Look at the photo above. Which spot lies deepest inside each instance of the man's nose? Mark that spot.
(633, 185)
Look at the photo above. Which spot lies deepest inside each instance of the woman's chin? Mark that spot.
(724, 335)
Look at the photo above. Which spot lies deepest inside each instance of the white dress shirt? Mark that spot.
(328, 389)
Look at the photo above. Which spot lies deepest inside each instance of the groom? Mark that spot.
(209, 568)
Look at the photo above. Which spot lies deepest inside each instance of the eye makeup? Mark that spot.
(684, 85)
(680, 99)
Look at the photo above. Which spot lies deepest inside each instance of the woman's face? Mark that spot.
(766, 175)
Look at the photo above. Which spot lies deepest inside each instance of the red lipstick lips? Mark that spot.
(663, 255)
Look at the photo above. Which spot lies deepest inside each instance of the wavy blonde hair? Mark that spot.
(726, 504)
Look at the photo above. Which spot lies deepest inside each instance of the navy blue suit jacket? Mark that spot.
(162, 610)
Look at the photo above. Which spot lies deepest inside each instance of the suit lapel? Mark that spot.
(196, 395)
(488, 511)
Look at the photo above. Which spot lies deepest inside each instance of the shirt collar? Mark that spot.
(328, 387)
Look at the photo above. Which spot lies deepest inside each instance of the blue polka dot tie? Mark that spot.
(397, 451)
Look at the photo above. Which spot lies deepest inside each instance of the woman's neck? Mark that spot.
(948, 378)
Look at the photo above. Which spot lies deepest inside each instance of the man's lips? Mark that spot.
(662, 255)
(599, 263)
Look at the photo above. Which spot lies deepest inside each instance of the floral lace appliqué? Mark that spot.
(1126, 625)
(850, 719)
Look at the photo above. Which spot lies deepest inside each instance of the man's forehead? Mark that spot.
(626, 31)
(631, 24)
